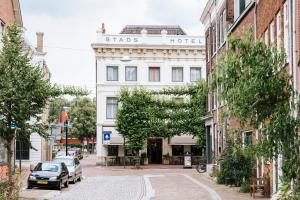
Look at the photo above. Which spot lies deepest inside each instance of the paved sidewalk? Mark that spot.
(155, 182)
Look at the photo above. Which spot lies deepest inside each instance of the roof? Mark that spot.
(153, 29)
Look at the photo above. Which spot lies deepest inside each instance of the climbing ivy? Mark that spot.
(258, 92)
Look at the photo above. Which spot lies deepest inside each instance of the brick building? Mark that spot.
(276, 22)
(9, 12)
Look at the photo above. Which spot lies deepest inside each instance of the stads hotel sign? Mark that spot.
(153, 40)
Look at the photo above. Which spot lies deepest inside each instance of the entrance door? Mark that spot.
(154, 151)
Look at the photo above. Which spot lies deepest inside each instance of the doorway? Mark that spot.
(154, 150)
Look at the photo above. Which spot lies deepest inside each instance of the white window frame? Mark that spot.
(111, 104)
(267, 36)
(278, 31)
(286, 29)
(159, 74)
(180, 69)
(272, 33)
(132, 67)
(107, 71)
(195, 68)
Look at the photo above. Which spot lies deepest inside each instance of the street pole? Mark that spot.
(66, 126)
(124, 162)
(20, 154)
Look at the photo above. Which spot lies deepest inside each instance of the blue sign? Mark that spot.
(106, 135)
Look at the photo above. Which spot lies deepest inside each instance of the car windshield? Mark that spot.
(47, 167)
(67, 161)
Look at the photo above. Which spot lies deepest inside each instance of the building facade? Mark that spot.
(153, 57)
(276, 22)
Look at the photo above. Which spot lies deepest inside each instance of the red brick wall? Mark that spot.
(266, 12)
(244, 24)
(6, 12)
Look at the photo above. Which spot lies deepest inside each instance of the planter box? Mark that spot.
(166, 161)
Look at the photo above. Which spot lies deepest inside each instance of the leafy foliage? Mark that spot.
(146, 114)
(258, 91)
(235, 164)
(83, 118)
(24, 93)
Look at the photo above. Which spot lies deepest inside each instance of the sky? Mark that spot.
(70, 26)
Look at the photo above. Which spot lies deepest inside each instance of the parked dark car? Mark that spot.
(73, 165)
(50, 175)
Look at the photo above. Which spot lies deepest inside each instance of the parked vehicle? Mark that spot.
(73, 165)
(52, 175)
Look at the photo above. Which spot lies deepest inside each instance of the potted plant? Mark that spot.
(166, 159)
(144, 158)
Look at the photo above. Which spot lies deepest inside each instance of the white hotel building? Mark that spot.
(153, 57)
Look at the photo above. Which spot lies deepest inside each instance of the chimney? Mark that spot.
(103, 28)
(40, 42)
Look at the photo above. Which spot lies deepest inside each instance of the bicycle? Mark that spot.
(201, 167)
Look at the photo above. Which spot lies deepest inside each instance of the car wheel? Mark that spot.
(74, 180)
(29, 186)
(79, 178)
(67, 184)
(59, 186)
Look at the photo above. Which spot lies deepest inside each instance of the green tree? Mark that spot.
(83, 118)
(133, 118)
(257, 90)
(24, 93)
(55, 107)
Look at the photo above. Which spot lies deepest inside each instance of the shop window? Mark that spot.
(177, 150)
(112, 150)
(196, 150)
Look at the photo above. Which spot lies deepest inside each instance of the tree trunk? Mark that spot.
(10, 171)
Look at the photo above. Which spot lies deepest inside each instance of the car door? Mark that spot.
(78, 170)
(65, 173)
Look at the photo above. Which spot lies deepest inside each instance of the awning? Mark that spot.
(183, 140)
(116, 140)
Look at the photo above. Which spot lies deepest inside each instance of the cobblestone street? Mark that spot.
(157, 182)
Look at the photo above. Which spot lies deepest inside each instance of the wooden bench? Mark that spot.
(260, 184)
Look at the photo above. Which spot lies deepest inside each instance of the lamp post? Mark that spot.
(66, 129)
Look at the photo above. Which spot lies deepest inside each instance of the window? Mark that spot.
(242, 6)
(128, 152)
(177, 74)
(1, 29)
(267, 37)
(272, 32)
(224, 26)
(221, 29)
(154, 74)
(22, 150)
(130, 73)
(286, 29)
(111, 107)
(248, 138)
(196, 150)
(112, 150)
(195, 74)
(214, 38)
(278, 31)
(177, 150)
(112, 73)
